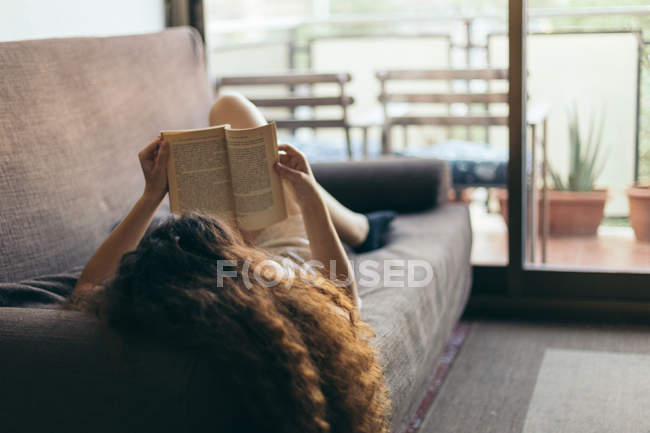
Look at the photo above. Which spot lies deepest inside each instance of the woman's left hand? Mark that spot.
(294, 167)
(153, 160)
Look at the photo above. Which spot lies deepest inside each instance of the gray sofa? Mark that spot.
(73, 114)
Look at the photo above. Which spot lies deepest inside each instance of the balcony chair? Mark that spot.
(472, 163)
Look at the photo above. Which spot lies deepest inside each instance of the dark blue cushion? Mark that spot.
(472, 164)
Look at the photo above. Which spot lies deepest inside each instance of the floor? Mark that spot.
(516, 377)
(614, 248)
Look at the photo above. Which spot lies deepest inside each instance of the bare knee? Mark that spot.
(234, 109)
(230, 100)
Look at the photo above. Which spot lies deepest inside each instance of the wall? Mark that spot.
(36, 19)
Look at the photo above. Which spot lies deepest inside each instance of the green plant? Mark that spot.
(644, 168)
(584, 164)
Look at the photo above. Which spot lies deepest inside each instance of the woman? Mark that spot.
(292, 356)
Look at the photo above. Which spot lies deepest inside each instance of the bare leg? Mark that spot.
(352, 227)
(239, 112)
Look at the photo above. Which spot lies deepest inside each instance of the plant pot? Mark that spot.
(576, 212)
(570, 212)
(639, 198)
(502, 196)
(465, 195)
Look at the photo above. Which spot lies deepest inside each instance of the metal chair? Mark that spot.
(472, 163)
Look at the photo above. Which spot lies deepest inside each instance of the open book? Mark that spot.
(226, 173)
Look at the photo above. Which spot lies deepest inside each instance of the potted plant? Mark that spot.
(638, 196)
(574, 206)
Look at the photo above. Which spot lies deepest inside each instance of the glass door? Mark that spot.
(579, 177)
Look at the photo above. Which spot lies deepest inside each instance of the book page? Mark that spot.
(257, 188)
(198, 173)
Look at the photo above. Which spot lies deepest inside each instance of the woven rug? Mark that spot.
(535, 378)
(587, 391)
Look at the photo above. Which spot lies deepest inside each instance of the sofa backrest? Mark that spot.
(73, 115)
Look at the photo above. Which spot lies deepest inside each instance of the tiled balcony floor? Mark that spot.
(614, 248)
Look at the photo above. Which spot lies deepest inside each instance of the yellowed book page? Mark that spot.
(198, 173)
(257, 188)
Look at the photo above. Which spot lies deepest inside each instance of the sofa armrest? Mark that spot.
(396, 183)
(64, 371)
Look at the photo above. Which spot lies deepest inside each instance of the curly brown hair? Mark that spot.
(294, 357)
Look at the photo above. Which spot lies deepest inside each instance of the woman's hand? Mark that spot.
(293, 167)
(153, 160)
(324, 241)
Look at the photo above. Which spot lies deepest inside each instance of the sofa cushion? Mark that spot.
(73, 116)
(52, 291)
(63, 371)
(48, 291)
(413, 323)
(397, 183)
(472, 163)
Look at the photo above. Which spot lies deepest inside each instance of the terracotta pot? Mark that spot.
(502, 196)
(639, 198)
(576, 213)
(464, 197)
(570, 212)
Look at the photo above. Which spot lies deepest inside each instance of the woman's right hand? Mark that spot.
(293, 167)
(153, 160)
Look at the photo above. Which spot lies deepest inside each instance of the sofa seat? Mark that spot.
(47, 351)
(412, 324)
